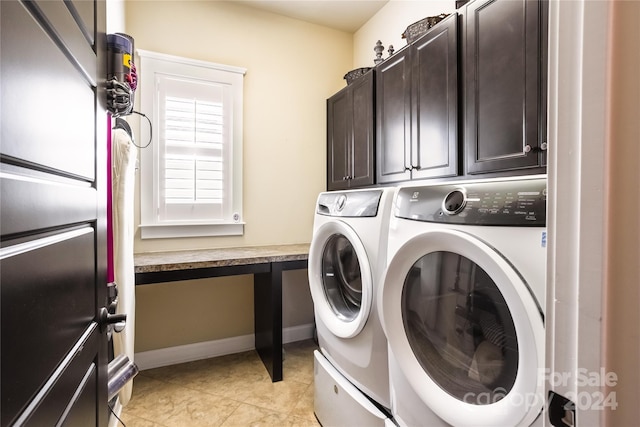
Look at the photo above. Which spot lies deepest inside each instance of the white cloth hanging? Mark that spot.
(124, 157)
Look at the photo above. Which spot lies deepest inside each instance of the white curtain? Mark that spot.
(124, 155)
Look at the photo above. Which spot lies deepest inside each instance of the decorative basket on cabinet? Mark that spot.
(417, 29)
(352, 75)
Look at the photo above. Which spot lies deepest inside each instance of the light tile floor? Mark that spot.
(233, 390)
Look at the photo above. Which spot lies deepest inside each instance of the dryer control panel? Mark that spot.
(521, 202)
(361, 204)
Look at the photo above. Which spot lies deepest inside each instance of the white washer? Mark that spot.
(462, 303)
(346, 261)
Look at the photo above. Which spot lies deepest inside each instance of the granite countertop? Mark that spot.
(222, 257)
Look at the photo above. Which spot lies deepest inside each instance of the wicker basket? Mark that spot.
(417, 29)
(352, 75)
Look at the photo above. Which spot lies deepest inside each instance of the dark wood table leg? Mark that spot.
(267, 303)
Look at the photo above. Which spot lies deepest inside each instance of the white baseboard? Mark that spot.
(204, 350)
(298, 333)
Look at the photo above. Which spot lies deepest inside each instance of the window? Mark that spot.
(191, 174)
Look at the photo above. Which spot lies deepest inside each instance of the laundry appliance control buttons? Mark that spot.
(454, 202)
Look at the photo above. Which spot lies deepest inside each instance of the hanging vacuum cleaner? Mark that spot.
(122, 79)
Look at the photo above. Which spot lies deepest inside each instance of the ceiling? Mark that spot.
(344, 15)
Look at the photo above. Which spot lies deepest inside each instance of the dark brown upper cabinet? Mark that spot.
(350, 135)
(417, 108)
(504, 85)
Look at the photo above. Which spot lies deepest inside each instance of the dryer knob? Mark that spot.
(454, 202)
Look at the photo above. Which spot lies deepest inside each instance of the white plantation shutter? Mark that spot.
(194, 182)
(194, 179)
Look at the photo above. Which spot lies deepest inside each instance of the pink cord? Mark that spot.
(110, 267)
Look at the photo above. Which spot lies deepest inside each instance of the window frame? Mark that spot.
(151, 226)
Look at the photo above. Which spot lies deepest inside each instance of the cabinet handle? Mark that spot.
(527, 148)
(406, 169)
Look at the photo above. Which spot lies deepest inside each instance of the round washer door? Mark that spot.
(340, 279)
(465, 330)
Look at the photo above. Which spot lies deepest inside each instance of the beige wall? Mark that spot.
(292, 68)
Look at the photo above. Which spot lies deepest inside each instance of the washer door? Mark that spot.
(340, 279)
(465, 330)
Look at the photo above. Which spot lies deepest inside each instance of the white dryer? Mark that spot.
(346, 260)
(462, 303)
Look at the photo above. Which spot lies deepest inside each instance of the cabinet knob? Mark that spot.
(544, 146)
(527, 148)
(407, 169)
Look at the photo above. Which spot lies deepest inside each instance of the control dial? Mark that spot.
(454, 202)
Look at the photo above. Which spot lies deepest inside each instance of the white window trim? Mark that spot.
(150, 226)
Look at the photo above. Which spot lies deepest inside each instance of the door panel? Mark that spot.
(53, 213)
(43, 121)
(83, 12)
(362, 151)
(339, 139)
(32, 193)
(79, 411)
(393, 119)
(42, 300)
(502, 78)
(70, 393)
(350, 136)
(435, 100)
(70, 37)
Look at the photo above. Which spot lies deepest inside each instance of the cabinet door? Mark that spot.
(339, 136)
(363, 130)
(502, 91)
(393, 118)
(435, 102)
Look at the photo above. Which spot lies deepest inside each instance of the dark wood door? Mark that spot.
(362, 157)
(434, 70)
(350, 134)
(393, 118)
(53, 213)
(502, 81)
(339, 134)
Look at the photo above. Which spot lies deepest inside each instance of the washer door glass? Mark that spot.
(459, 327)
(464, 329)
(342, 278)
